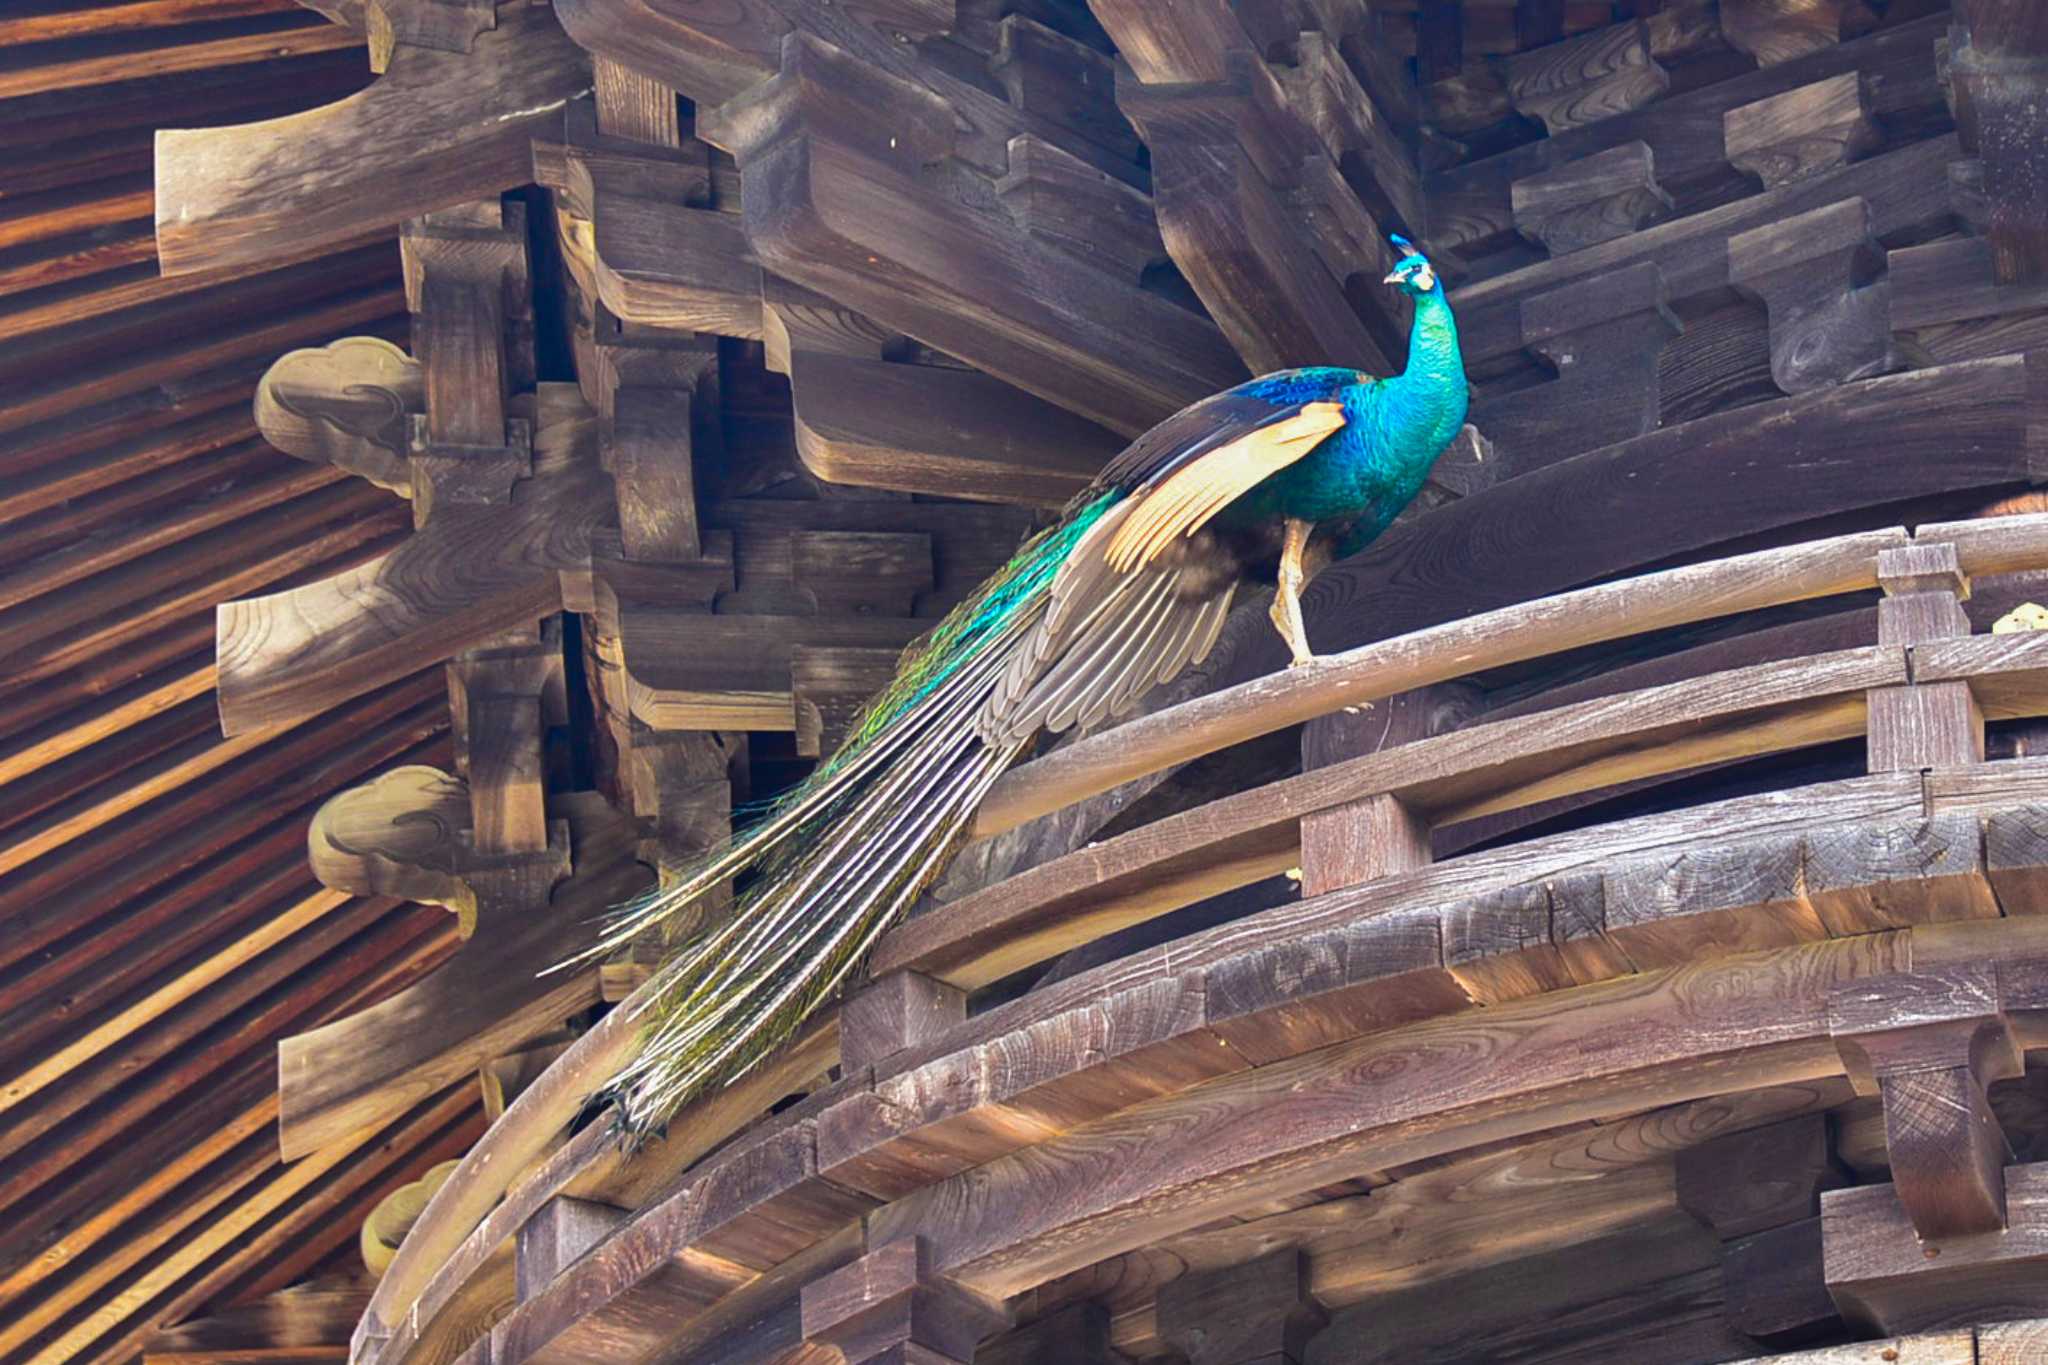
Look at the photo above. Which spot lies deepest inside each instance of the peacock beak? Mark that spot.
(1392, 278)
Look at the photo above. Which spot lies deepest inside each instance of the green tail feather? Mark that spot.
(839, 859)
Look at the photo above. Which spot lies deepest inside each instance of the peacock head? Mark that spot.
(1413, 273)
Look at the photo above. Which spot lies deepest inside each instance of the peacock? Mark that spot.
(1262, 483)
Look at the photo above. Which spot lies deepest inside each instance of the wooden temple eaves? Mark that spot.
(1645, 928)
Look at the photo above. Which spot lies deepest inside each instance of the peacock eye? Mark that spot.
(1425, 278)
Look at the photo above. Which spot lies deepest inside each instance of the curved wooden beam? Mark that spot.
(1138, 1027)
(1003, 1227)
(1437, 1087)
(409, 831)
(438, 128)
(1560, 525)
(1470, 772)
(1589, 616)
(472, 573)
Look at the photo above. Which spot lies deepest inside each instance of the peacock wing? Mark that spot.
(1124, 615)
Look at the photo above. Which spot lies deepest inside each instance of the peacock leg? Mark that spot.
(1286, 610)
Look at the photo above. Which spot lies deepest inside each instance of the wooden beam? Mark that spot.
(1544, 561)
(472, 573)
(403, 832)
(831, 208)
(1881, 1273)
(436, 129)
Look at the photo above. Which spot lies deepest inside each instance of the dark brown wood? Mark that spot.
(1379, 835)
(830, 688)
(1585, 79)
(559, 1231)
(650, 457)
(1356, 130)
(1077, 1334)
(1776, 1285)
(1827, 325)
(902, 1009)
(1802, 132)
(630, 105)
(1596, 199)
(891, 1308)
(1603, 337)
(1769, 1177)
(958, 280)
(1221, 152)
(1258, 1313)
(1995, 52)
(1774, 31)
(1929, 1044)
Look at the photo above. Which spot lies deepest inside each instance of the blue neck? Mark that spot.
(1433, 392)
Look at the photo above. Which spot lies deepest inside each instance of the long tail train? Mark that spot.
(840, 859)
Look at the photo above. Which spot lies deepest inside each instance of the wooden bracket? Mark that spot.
(1602, 335)
(1354, 131)
(558, 1232)
(1258, 1313)
(1774, 31)
(1830, 320)
(1375, 836)
(1063, 81)
(443, 25)
(500, 703)
(1584, 79)
(1074, 207)
(1760, 1192)
(1802, 133)
(891, 1308)
(899, 1010)
(1224, 154)
(1928, 1043)
(438, 128)
(1747, 1182)
(1591, 200)
(1923, 724)
(1887, 1280)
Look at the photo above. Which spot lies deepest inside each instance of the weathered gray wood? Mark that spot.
(1583, 203)
(559, 1231)
(1830, 322)
(1929, 1043)
(1585, 79)
(1881, 1274)
(436, 129)
(1801, 133)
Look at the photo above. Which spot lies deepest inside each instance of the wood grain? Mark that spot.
(436, 129)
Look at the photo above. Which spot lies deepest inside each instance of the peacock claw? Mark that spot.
(1301, 661)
